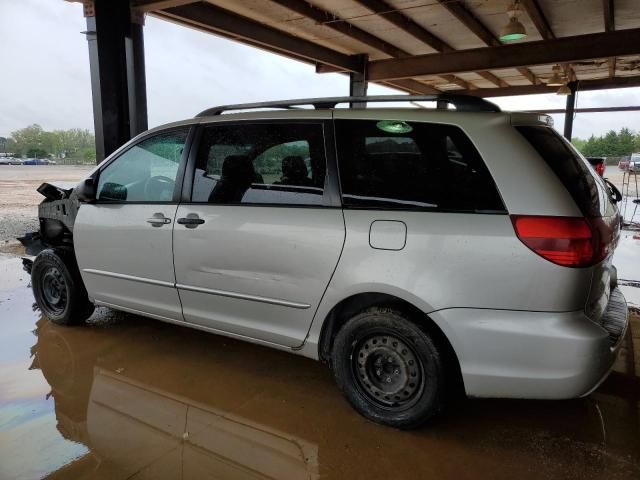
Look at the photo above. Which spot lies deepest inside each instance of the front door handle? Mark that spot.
(191, 220)
(158, 219)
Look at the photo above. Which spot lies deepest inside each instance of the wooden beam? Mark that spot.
(544, 52)
(400, 20)
(608, 10)
(635, 108)
(458, 10)
(612, 66)
(217, 20)
(532, 7)
(407, 25)
(583, 85)
(458, 81)
(609, 15)
(152, 5)
(490, 77)
(413, 86)
(331, 21)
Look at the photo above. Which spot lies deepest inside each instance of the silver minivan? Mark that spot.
(418, 252)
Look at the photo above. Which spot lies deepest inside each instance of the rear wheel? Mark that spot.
(388, 368)
(58, 288)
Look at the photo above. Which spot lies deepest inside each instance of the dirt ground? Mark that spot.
(19, 199)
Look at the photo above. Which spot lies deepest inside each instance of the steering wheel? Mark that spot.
(154, 187)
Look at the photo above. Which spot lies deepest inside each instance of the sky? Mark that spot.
(44, 75)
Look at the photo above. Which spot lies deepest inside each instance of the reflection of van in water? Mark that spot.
(133, 428)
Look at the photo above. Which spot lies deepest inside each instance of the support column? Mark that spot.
(358, 83)
(116, 58)
(570, 110)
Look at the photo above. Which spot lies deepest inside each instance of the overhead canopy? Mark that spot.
(433, 46)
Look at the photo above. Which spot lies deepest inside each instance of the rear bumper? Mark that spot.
(537, 355)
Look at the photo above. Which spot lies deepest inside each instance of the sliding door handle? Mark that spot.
(191, 220)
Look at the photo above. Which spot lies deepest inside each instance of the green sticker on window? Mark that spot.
(394, 126)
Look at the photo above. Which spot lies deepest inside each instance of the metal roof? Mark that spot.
(434, 46)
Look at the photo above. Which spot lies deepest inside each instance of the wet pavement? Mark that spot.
(126, 397)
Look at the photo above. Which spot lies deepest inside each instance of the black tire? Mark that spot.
(58, 288)
(389, 369)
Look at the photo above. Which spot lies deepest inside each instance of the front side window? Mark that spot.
(412, 165)
(261, 164)
(146, 172)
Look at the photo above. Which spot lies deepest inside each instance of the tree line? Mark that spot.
(78, 144)
(35, 142)
(612, 144)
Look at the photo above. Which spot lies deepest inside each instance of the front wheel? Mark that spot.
(58, 288)
(389, 369)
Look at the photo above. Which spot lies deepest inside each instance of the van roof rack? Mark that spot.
(465, 103)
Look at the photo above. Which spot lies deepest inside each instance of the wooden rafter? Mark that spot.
(609, 26)
(598, 84)
(561, 50)
(152, 5)
(406, 24)
(331, 21)
(409, 26)
(210, 18)
(469, 20)
(537, 16)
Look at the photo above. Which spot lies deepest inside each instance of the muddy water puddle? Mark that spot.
(125, 397)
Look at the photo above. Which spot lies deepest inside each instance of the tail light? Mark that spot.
(566, 241)
(600, 169)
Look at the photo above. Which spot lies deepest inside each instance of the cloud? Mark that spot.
(45, 74)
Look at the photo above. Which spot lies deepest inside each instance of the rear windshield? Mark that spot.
(574, 173)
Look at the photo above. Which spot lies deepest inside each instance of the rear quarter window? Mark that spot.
(574, 172)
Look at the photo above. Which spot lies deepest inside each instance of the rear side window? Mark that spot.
(412, 165)
(574, 173)
(261, 164)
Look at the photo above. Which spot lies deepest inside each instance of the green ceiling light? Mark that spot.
(513, 30)
(394, 126)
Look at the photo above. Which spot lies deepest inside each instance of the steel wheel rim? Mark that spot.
(387, 371)
(54, 290)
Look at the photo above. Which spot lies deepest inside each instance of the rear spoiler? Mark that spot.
(519, 119)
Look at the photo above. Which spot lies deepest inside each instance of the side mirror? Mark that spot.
(86, 190)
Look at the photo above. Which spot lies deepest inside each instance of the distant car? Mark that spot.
(623, 164)
(10, 161)
(634, 163)
(36, 161)
(598, 164)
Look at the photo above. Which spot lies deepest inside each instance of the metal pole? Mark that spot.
(570, 110)
(358, 83)
(118, 83)
(136, 77)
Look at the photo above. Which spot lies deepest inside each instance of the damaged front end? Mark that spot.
(57, 215)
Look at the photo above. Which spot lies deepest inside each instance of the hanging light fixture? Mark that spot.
(564, 90)
(513, 30)
(556, 80)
